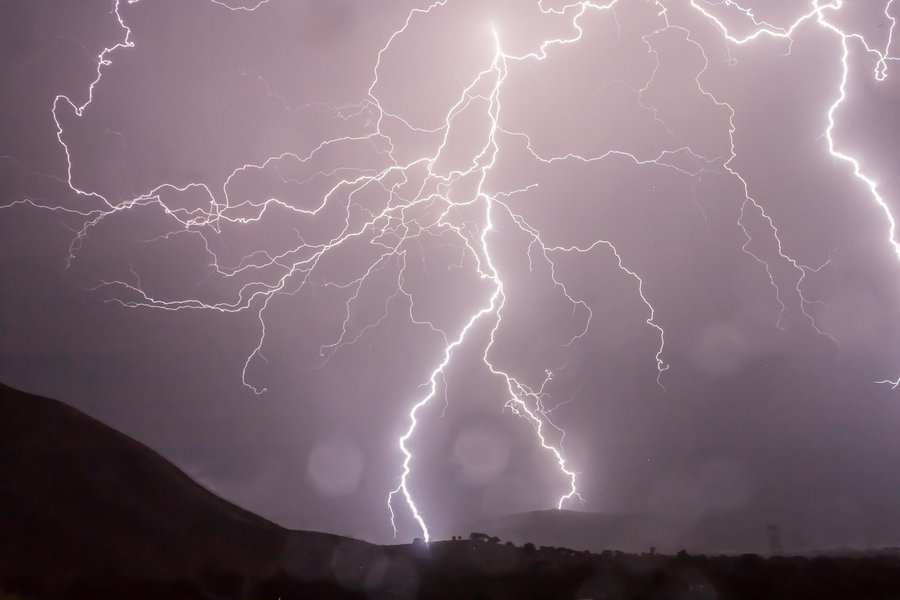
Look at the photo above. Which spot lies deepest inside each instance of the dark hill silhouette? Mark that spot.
(78, 499)
(88, 513)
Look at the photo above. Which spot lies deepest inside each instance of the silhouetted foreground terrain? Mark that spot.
(86, 512)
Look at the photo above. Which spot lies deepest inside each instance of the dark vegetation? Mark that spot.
(462, 569)
(86, 513)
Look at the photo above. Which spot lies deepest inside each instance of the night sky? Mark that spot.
(254, 245)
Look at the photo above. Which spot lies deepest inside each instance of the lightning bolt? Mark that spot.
(817, 14)
(419, 200)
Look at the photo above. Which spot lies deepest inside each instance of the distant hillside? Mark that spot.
(734, 532)
(714, 533)
(730, 534)
(78, 499)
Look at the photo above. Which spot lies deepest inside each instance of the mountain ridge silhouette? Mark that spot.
(80, 499)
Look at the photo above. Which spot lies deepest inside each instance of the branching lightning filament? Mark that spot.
(419, 200)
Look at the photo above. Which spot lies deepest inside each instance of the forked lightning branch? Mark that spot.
(393, 228)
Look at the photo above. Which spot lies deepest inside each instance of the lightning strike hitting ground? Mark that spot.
(433, 211)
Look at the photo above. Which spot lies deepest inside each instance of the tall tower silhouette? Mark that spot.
(775, 547)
